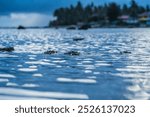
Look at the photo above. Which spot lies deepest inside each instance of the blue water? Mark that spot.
(113, 64)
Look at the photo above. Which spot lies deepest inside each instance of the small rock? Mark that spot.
(50, 52)
(21, 27)
(7, 49)
(125, 52)
(71, 27)
(78, 39)
(73, 53)
(84, 27)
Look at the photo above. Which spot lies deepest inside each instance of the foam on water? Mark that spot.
(132, 75)
(92, 77)
(7, 56)
(30, 85)
(11, 84)
(32, 67)
(19, 66)
(4, 80)
(7, 76)
(38, 63)
(88, 71)
(37, 75)
(31, 58)
(27, 70)
(59, 61)
(88, 81)
(22, 98)
(40, 94)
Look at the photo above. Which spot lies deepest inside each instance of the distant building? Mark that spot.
(128, 20)
(124, 18)
(144, 18)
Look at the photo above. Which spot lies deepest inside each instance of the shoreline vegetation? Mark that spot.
(110, 15)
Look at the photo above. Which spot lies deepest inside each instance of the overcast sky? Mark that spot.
(39, 12)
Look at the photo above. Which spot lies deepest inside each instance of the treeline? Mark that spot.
(110, 12)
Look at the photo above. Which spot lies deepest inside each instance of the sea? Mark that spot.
(111, 64)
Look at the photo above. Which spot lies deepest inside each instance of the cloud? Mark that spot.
(25, 19)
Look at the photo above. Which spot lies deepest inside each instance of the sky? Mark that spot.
(39, 12)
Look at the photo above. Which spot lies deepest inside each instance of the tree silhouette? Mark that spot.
(134, 9)
(113, 11)
(147, 8)
(125, 9)
(90, 13)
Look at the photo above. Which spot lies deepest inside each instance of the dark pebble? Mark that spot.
(20, 27)
(125, 52)
(7, 49)
(73, 53)
(78, 39)
(50, 52)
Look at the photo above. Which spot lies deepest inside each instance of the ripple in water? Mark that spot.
(22, 93)
(69, 80)
(7, 76)
(113, 64)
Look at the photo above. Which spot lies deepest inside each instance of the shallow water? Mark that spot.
(113, 64)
